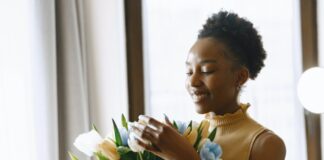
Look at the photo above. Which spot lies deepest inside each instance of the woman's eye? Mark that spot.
(207, 72)
(188, 73)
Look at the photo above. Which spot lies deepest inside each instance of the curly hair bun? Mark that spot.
(240, 37)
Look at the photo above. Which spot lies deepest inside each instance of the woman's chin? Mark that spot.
(202, 109)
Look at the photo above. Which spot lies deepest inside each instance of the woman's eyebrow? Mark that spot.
(203, 62)
(207, 61)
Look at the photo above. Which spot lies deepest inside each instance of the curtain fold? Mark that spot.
(44, 95)
(73, 106)
(44, 83)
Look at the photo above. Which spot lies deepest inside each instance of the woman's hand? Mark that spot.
(165, 141)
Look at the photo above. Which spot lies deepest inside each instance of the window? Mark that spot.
(171, 27)
(320, 22)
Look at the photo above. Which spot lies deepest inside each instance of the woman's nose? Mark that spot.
(195, 80)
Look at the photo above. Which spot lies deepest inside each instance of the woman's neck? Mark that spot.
(228, 108)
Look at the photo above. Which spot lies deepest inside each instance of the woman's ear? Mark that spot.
(243, 75)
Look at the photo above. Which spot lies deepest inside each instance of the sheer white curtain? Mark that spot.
(27, 81)
(15, 81)
(106, 57)
(171, 28)
(92, 84)
(44, 84)
(62, 67)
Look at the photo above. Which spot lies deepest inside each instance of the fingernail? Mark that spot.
(136, 124)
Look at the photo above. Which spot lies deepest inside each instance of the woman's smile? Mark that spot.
(199, 97)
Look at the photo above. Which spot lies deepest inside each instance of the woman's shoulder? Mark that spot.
(268, 145)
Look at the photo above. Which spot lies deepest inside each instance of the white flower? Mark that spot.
(133, 137)
(132, 143)
(87, 142)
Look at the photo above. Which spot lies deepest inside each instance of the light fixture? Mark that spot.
(310, 89)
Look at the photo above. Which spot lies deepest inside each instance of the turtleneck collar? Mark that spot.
(228, 118)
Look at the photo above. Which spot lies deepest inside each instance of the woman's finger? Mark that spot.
(167, 120)
(151, 121)
(147, 146)
(144, 132)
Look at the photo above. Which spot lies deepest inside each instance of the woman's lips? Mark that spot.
(199, 97)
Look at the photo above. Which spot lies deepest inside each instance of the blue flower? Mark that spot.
(124, 135)
(210, 151)
(182, 126)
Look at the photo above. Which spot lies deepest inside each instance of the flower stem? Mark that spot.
(140, 155)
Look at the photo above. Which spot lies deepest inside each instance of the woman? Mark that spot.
(227, 53)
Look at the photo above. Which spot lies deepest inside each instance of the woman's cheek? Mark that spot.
(187, 84)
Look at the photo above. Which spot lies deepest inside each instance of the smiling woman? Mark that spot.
(234, 44)
(226, 54)
(171, 30)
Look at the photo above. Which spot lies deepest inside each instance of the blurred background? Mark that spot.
(67, 64)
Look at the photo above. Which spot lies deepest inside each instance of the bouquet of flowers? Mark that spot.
(122, 145)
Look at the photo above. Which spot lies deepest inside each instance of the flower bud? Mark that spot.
(191, 136)
(205, 127)
(210, 150)
(109, 149)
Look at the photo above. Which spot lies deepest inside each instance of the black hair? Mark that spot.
(239, 36)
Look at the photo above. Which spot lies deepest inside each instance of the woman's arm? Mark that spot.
(268, 146)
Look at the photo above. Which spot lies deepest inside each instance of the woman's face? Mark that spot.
(211, 80)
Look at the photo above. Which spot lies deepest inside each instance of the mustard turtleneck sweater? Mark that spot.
(236, 133)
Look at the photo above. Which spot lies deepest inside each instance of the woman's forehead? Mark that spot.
(206, 49)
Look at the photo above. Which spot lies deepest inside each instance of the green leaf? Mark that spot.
(212, 134)
(199, 137)
(124, 122)
(94, 127)
(190, 126)
(197, 142)
(123, 150)
(118, 139)
(100, 156)
(200, 125)
(73, 157)
(175, 125)
(126, 154)
(150, 156)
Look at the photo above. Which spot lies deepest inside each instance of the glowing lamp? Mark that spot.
(310, 90)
